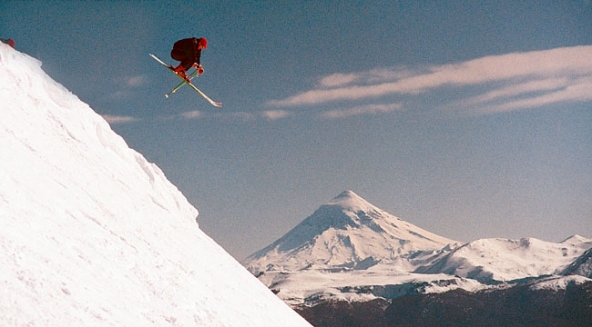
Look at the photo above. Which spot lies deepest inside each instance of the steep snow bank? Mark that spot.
(93, 234)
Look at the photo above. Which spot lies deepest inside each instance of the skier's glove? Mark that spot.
(199, 68)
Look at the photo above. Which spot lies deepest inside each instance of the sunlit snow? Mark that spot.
(93, 234)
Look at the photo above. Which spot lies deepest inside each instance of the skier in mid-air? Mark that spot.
(188, 52)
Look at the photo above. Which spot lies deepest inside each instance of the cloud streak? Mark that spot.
(270, 115)
(112, 119)
(577, 91)
(194, 114)
(549, 76)
(361, 110)
(275, 114)
(135, 81)
(127, 84)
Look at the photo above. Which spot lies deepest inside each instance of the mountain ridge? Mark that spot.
(501, 260)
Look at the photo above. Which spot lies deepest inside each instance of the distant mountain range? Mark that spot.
(353, 252)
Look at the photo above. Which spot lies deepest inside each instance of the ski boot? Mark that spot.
(179, 70)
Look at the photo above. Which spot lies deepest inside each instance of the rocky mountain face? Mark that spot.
(581, 266)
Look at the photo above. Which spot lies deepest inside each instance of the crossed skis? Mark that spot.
(191, 76)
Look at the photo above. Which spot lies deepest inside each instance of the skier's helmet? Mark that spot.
(203, 42)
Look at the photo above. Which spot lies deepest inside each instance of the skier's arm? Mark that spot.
(197, 64)
(197, 57)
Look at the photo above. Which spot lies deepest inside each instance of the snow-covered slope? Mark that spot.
(347, 232)
(500, 260)
(310, 287)
(556, 283)
(93, 234)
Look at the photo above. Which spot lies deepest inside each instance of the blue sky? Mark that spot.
(471, 119)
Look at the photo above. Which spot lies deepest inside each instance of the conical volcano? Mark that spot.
(346, 232)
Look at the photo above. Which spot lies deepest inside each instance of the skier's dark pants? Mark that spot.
(180, 55)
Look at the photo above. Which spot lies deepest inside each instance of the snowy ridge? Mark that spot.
(93, 234)
(347, 232)
(557, 283)
(501, 260)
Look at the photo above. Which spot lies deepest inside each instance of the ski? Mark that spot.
(191, 77)
(212, 102)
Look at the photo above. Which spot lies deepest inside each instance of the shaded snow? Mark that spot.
(93, 234)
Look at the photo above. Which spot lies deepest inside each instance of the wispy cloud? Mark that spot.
(338, 79)
(192, 114)
(577, 91)
(361, 110)
(246, 116)
(275, 114)
(514, 81)
(135, 81)
(517, 89)
(364, 78)
(111, 119)
(127, 84)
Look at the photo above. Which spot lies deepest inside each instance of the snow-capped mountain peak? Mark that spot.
(346, 232)
(349, 200)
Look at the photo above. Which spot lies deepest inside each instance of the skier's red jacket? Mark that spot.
(186, 51)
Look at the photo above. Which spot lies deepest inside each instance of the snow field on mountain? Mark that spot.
(93, 234)
(559, 283)
(307, 287)
(507, 260)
